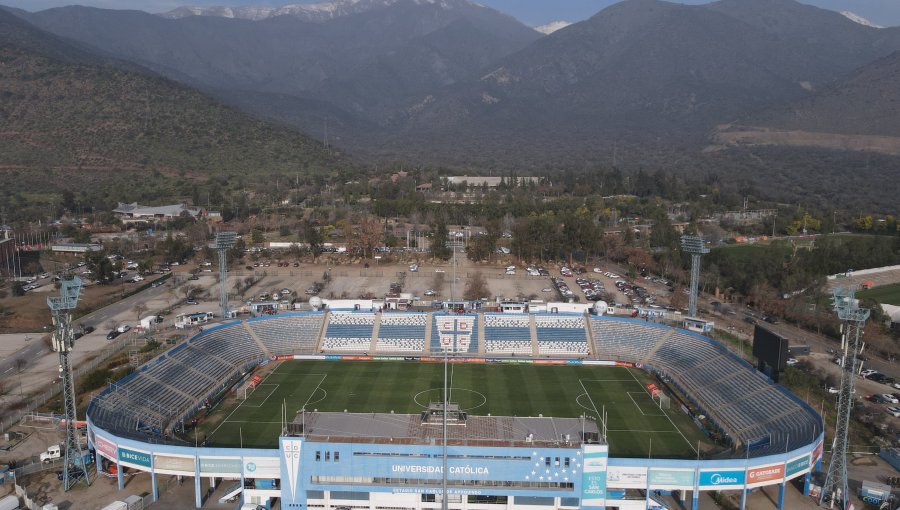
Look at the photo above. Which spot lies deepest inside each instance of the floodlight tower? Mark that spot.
(694, 245)
(74, 467)
(224, 242)
(854, 320)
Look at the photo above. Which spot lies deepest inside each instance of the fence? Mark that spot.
(15, 416)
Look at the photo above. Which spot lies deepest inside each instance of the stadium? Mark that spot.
(344, 409)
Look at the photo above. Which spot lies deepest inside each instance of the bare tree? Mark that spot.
(139, 310)
(476, 288)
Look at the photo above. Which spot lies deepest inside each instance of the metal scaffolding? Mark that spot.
(695, 247)
(854, 319)
(75, 468)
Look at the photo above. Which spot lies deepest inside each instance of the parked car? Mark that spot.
(191, 302)
(112, 335)
(124, 328)
(893, 411)
(792, 361)
(890, 399)
(865, 374)
(429, 292)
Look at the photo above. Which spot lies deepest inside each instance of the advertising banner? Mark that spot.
(134, 458)
(722, 479)
(220, 466)
(262, 467)
(105, 447)
(816, 454)
(761, 475)
(173, 465)
(593, 476)
(626, 477)
(796, 467)
(671, 478)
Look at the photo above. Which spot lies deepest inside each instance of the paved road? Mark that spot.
(36, 348)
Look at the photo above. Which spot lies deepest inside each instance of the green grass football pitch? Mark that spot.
(636, 426)
(887, 294)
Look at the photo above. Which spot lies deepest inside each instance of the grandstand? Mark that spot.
(561, 334)
(507, 334)
(759, 416)
(455, 333)
(746, 406)
(349, 331)
(402, 332)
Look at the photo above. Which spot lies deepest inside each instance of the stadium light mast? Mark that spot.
(694, 245)
(224, 242)
(74, 466)
(854, 319)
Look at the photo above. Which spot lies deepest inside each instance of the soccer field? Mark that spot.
(633, 418)
(888, 294)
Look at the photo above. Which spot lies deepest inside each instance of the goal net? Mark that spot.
(247, 388)
(662, 400)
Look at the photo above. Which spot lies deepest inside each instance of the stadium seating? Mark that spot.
(744, 403)
(561, 335)
(507, 334)
(288, 333)
(458, 332)
(349, 332)
(402, 332)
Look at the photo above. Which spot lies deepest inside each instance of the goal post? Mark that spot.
(244, 391)
(662, 400)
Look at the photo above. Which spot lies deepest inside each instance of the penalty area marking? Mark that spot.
(639, 406)
(258, 386)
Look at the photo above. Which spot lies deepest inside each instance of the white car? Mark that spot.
(598, 270)
(832, 390)
(893, 411)
(429, 292)
(890, 399)
(792, 361)
(868, 372)
(414, 268)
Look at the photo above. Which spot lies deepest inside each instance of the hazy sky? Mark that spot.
(531, 12)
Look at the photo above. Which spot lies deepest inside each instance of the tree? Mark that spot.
(440, 235)
(368, 236)
(139, 309)
(313, 237)
(476, 288)
(18, 289)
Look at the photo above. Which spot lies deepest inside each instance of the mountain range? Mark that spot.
(641, 83)
(111, 131)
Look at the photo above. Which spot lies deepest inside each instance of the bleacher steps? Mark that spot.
(429, 324)
(373, 346)
(479, 326)
(662, 341)
(532, 328)
(325, 320)
(255, 338)
(589, 336)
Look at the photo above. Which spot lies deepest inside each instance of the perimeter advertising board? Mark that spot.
(262, 467)
(796, 467)
(671, 479)
(135, 459)
(105, 447)
(720, 479)
(620, 477)
(220, 466)
(174, 465)
(760, 476)
(593, 476)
